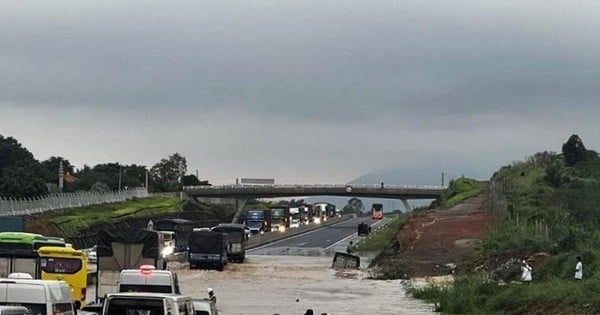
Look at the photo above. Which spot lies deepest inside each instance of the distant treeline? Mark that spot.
(21, 175)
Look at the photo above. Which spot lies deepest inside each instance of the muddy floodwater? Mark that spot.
(267, 284)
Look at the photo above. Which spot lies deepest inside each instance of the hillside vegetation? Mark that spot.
(460, 190)
(547, 204)
(82, 218)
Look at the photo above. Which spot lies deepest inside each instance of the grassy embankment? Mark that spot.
(539, 205)
(460, 190)
(77, 219)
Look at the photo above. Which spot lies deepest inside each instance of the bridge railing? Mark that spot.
(26, 206)
(283, 186)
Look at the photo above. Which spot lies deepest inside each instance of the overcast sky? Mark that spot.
(301, 91)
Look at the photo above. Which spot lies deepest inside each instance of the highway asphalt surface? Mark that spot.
(324, 238)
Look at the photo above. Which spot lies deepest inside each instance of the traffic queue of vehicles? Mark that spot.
(280, 218)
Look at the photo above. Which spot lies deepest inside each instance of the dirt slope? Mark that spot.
(436, 240)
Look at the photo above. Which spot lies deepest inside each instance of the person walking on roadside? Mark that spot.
(526, 272)
(350, 248)
(578, 269)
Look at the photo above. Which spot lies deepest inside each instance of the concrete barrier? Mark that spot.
(266, 238)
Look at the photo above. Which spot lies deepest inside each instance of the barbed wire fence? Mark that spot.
(28, 206)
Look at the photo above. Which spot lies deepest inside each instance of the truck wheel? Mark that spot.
(192, 266)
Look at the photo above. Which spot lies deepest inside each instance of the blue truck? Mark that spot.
(255, 221)
(207, 249)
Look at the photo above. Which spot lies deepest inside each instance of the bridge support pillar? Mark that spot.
(406, 205)
(239, 207)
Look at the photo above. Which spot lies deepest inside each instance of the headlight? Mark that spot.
(282, 228)
(317, 221)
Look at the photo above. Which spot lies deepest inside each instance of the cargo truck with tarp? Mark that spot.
(125, 249)
(236, 238)
(207, 249)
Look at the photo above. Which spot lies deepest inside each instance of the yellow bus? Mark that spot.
(67, 264)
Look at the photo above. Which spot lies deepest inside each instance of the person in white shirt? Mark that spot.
(526, 272)
(578, 269)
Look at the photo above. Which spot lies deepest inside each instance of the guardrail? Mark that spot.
(27, 206)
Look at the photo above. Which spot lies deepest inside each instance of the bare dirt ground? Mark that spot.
(435, 241)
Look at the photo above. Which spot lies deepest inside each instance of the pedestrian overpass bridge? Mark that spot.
(242, 193)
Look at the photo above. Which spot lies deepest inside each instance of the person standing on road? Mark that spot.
(578, 269)
(526, 272)
(211, 295)
(350, 248)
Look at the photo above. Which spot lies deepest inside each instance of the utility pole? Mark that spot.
(146, 181)
(443, 174)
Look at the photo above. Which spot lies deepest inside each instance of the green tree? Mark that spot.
(556, 174)
(51, 167)
(86, 177)
(574, 151)
(21, 175)
(167, 174)
(354, 205)
(23, 179)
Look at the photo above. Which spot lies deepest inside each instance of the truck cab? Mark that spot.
(148, 279)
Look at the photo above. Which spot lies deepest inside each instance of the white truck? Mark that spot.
(147, 303)
(295, 219)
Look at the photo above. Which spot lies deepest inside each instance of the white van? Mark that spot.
(148, 279)
(147, 303)
(40, 297)
(13, 310)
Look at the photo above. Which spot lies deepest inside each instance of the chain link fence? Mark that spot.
(28, 206)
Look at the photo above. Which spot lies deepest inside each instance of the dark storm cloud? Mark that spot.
(303, 59)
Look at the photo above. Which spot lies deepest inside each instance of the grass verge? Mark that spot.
(85, 216)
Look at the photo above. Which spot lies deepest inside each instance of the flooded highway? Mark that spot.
(295, 274)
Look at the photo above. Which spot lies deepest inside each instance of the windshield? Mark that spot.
(60, 265)
(254, 224)
(28, 265)
(277, 215)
